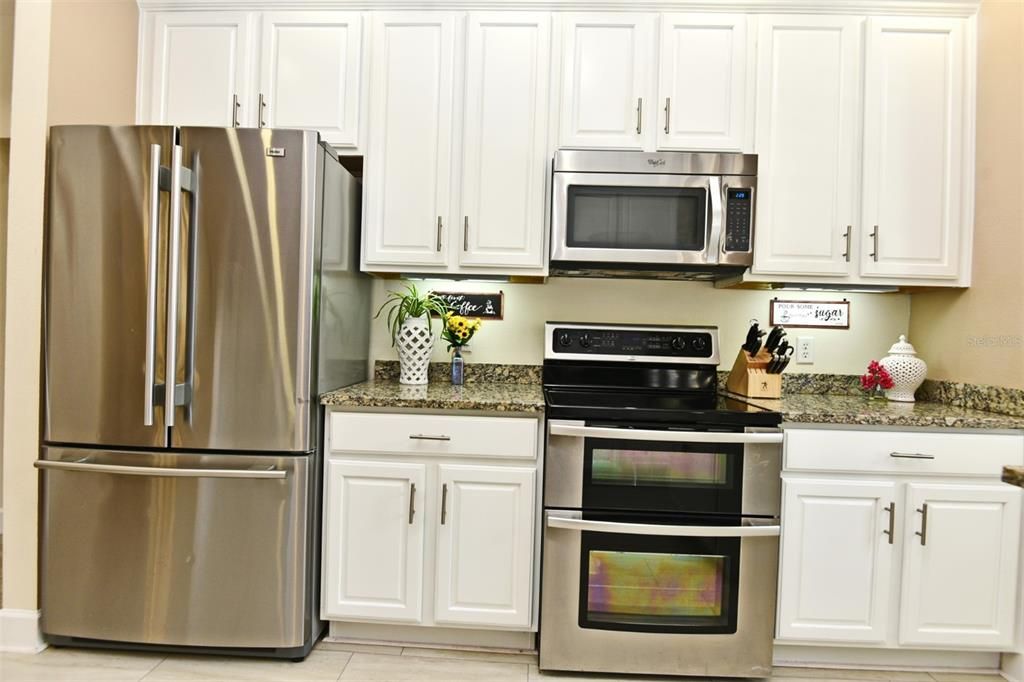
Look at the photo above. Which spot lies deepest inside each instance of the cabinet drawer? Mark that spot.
(899, 452)
(431, 434)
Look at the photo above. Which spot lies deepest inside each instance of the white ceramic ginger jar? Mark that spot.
(906, 369)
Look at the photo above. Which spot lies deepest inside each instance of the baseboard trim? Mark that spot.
(19, 631)
(415, 635)
(886, 659)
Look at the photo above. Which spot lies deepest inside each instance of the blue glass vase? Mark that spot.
(458, 367)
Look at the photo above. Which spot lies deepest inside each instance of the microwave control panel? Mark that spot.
(738, 203)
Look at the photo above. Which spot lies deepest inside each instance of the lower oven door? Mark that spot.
(629, 593)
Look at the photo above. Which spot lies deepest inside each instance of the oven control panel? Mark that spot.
(738, 203)
(630, 343)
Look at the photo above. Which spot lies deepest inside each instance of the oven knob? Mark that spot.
(564, 339)
(585, 340)
(678, 343)
(700, 343)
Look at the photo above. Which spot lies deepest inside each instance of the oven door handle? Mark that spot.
(562, 428)
(555, 520)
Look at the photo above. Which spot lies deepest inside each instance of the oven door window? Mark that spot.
(646, 583)
(656, 476)
(623, 217)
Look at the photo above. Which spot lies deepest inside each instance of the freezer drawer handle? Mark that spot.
(127, 470)
(555, 521)
(556, 428)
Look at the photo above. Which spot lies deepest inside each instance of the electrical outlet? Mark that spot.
(805, 350)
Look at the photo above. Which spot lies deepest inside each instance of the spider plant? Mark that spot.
(411, 303)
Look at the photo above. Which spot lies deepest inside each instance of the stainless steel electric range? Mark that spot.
(661, 507)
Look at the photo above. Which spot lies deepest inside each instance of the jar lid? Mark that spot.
(902, 347)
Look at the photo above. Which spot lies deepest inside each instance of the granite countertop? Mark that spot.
(487, 396)
(1014, 476)
(858, 410)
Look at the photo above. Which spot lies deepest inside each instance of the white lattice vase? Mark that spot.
(415, 344)
(906, 369)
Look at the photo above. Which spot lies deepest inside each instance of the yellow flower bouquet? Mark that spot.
(458, 330)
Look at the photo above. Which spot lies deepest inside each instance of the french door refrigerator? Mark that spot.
(201, 290)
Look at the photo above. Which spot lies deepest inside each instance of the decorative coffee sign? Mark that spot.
(487, 306)
(821, 314)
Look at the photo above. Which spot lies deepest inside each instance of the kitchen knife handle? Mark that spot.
(891, 510)
(847, 236)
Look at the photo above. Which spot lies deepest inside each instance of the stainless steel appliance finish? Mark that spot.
(666, 210)
(191, 317)
(662, 503)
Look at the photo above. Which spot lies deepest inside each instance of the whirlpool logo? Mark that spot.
(656, 162)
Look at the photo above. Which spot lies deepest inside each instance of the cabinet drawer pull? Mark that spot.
(423, 436)
(235, 106)
(440, 226)
(412, 502)
(874, 242)
(846, 236)
(923, 511)
(891, 509)
(465, 233)
(263, 110)
(639, 115)
(668, 113)
(911, 455)
(444, 502)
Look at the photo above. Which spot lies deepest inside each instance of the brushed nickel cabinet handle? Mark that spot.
(891, 509)
(235, 108)
(911, 455)
(923, 511)
(263, 109)
(874, 241)
(668, 113)
(440, 226)
(412, 502)
(465, 233)
(847, 236)
(639, 115)
(444, 502)
(421, 436)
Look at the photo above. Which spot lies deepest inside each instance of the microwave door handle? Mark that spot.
(566, 521)
(714, 220)
(557, 428)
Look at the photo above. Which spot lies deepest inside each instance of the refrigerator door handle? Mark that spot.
(174, 265)
(190, 289)
(151, 268)
(128, 470)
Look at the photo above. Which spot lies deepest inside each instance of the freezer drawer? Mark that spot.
(175, 549)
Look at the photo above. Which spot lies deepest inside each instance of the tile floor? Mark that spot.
(345, 662)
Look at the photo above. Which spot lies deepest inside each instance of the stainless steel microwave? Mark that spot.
(663, 211)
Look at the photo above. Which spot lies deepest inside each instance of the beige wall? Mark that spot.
(6, 58)
(876, 319)
(94, 44)
(977, 335)
(5, 151)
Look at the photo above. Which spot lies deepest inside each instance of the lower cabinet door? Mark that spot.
(960, 566)
(485, 546)
(836, 559)
(373, 540)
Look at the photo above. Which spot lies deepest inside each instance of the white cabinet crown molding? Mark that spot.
(959, 8)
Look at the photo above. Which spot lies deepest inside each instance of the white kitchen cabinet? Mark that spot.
(960, 569)
(310, 65)
(808, 126)
(816, 513)
(608, 80)
(374, 538)
(504, 141)
(703, 93)
(485, 545)
(915, 208)
(408, 156)
(197, 69)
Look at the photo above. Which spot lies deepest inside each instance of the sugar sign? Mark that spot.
(821, 314)
(487, 306)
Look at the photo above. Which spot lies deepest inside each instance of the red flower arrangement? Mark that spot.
(877, 376)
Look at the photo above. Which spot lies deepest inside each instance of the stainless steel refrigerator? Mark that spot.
(202, 289)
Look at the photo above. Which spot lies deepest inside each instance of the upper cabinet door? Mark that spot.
(408, 157)
(960, 566)
(608, 81)
(485, 546)
(703, 86)
(914, 140)
(373, 540)
(309, 73)
(808, 132)
(835, 560)
(505, 151)
(200, 68)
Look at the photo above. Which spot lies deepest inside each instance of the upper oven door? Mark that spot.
(641, 218)
(654, 470)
